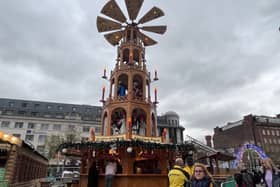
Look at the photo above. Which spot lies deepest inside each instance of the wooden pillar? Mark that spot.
(163, 161)
(83, 163)
(127, 161)
(217, 165)
(149, 123)
(116, 86)
(144, 96)
(130, 85)
(11, 164)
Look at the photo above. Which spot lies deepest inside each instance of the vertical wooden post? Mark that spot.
(11, 164)
(127, 161)
(217, 165)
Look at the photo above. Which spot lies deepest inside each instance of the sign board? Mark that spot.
(123, 137)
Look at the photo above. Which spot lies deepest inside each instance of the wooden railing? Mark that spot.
(32, 183)
(3, 183)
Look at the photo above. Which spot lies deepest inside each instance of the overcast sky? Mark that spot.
(218, 61)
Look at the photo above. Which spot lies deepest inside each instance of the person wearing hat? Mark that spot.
(177, 176)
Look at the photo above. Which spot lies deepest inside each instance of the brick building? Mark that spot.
(263, 131)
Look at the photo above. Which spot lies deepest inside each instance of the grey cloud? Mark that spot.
(211, 56)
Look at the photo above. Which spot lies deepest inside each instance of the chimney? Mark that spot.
(208, 140)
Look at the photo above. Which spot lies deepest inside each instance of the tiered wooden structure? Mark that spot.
(129, 108)
(129, 123)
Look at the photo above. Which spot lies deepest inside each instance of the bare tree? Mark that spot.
(52, 144)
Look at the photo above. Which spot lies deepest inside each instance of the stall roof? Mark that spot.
(219, 156)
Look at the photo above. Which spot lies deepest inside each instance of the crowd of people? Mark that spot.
(191, 175)
(197, 175)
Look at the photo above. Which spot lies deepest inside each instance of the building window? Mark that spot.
(5, 124)
(97, 129)
(17, 135)
(74, 109)
(19, 125)
(11, 104)
(49, 107)
(98, 115)
(272, 132)
(36, 105)
(71, 127)
(40, 148)
(29, 138)
(274, 141)
(56, 127)
(278, 141)
(47, 115)
(272, 149)
(59, 115)
(270, 141)
(59, 107)
(44, 126)
(265, 140)
(42, 139)
(34, 113)
(31, 126)
(21, 112)
(268, 132)
(263, 132)
(86, 129)
(277, 133)
(24, 105)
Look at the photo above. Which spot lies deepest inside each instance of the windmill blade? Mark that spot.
(152, 14)
(156, 29)
(133, 7)
(147, 40)
(114, 37)
(112, 10)
(104, 24)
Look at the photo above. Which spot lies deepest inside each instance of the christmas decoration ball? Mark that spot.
(129, 149)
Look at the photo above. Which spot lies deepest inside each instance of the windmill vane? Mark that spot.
(118, 28)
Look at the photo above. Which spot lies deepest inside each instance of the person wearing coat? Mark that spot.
(271, 174)
(201, 176)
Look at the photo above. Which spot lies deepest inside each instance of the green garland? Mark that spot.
(184, 147)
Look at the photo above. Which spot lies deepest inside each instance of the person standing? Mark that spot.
(190, 165)
(271, 175)
(201, 176)
(110, 171)
(93, 176)
(177, 176)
